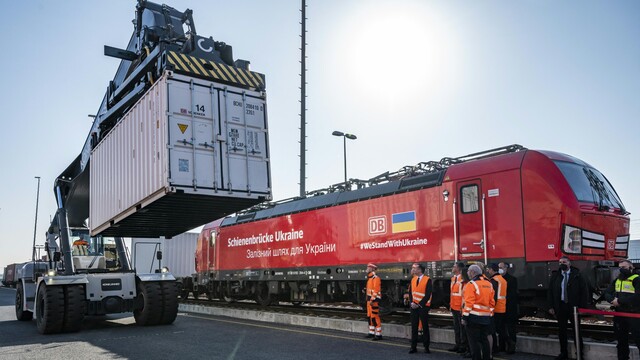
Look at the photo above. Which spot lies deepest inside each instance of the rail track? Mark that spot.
(595, 329)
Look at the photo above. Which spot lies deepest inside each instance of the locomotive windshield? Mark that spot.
(589, 185)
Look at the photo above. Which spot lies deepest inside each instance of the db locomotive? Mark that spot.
(524, 207)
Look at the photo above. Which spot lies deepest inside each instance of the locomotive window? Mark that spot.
(589, 189)
(469, 196)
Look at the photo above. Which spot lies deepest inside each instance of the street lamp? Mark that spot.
(345, 137)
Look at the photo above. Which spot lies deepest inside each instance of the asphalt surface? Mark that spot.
(194, 336)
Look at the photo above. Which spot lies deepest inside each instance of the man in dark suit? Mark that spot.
(567, 289)
(512, 307)
(419, 297)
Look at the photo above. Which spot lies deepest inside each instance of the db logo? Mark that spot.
(611, 244)
(377, 225)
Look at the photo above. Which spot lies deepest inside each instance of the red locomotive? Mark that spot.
(525, 207)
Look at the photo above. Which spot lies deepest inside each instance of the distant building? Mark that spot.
(634, 251)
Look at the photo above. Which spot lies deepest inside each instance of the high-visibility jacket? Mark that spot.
(626, 286)
(479, 300)
(501, 294)
(418, 290)
(373, 287)
(455, 293)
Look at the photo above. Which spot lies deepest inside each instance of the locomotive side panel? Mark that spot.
(400, 228)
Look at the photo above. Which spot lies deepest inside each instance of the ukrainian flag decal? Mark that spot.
(403, 222)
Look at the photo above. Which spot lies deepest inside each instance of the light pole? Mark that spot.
(345, 137)
(35, 226)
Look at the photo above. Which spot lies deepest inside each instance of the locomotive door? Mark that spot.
(469, 216)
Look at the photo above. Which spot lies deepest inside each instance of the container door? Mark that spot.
(469, 213)
(244, 125)
(193, 136)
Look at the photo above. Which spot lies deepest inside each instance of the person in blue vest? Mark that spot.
(624, 295)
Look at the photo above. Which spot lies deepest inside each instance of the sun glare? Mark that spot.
(400, 48)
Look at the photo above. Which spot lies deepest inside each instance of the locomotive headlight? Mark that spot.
(164, 269)
(572, 243)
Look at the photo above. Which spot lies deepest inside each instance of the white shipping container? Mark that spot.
(178, 254)
(188, 152)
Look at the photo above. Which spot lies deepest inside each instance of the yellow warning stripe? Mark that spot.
(244, 74)
(224, 67)
(171, 61)
(194, 60)
(186, 59)
(212, 72)
(236, 74)
(255, 78)
(215, 66)
(222, 71)
(182, 66)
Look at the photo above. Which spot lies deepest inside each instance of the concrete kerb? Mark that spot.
(526, 344)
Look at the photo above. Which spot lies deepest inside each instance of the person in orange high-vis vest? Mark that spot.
(373, 302)
(500, 312)
(479, 303)
(455, 304)
(420, 291)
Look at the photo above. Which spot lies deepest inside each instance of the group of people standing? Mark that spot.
(479, 303)
(484, 305)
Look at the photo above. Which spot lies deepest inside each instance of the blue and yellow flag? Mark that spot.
(403, 222)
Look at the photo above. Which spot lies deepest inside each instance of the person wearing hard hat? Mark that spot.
(374, 295)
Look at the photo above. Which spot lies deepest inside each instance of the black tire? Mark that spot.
(297, 303)
(50, 309)
(196, 294)
(169, 302)
(21, 313)
(74, 308)
(149, 304)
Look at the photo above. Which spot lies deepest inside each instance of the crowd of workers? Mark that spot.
(484, 305)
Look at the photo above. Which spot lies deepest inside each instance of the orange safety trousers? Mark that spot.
(373, 313)
(373, 304)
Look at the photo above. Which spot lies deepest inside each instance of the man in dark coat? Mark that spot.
(567, 289)
(512, 306)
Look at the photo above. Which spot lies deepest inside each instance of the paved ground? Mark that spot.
(196, 337)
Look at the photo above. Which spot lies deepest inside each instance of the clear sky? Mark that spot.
(414, 80)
